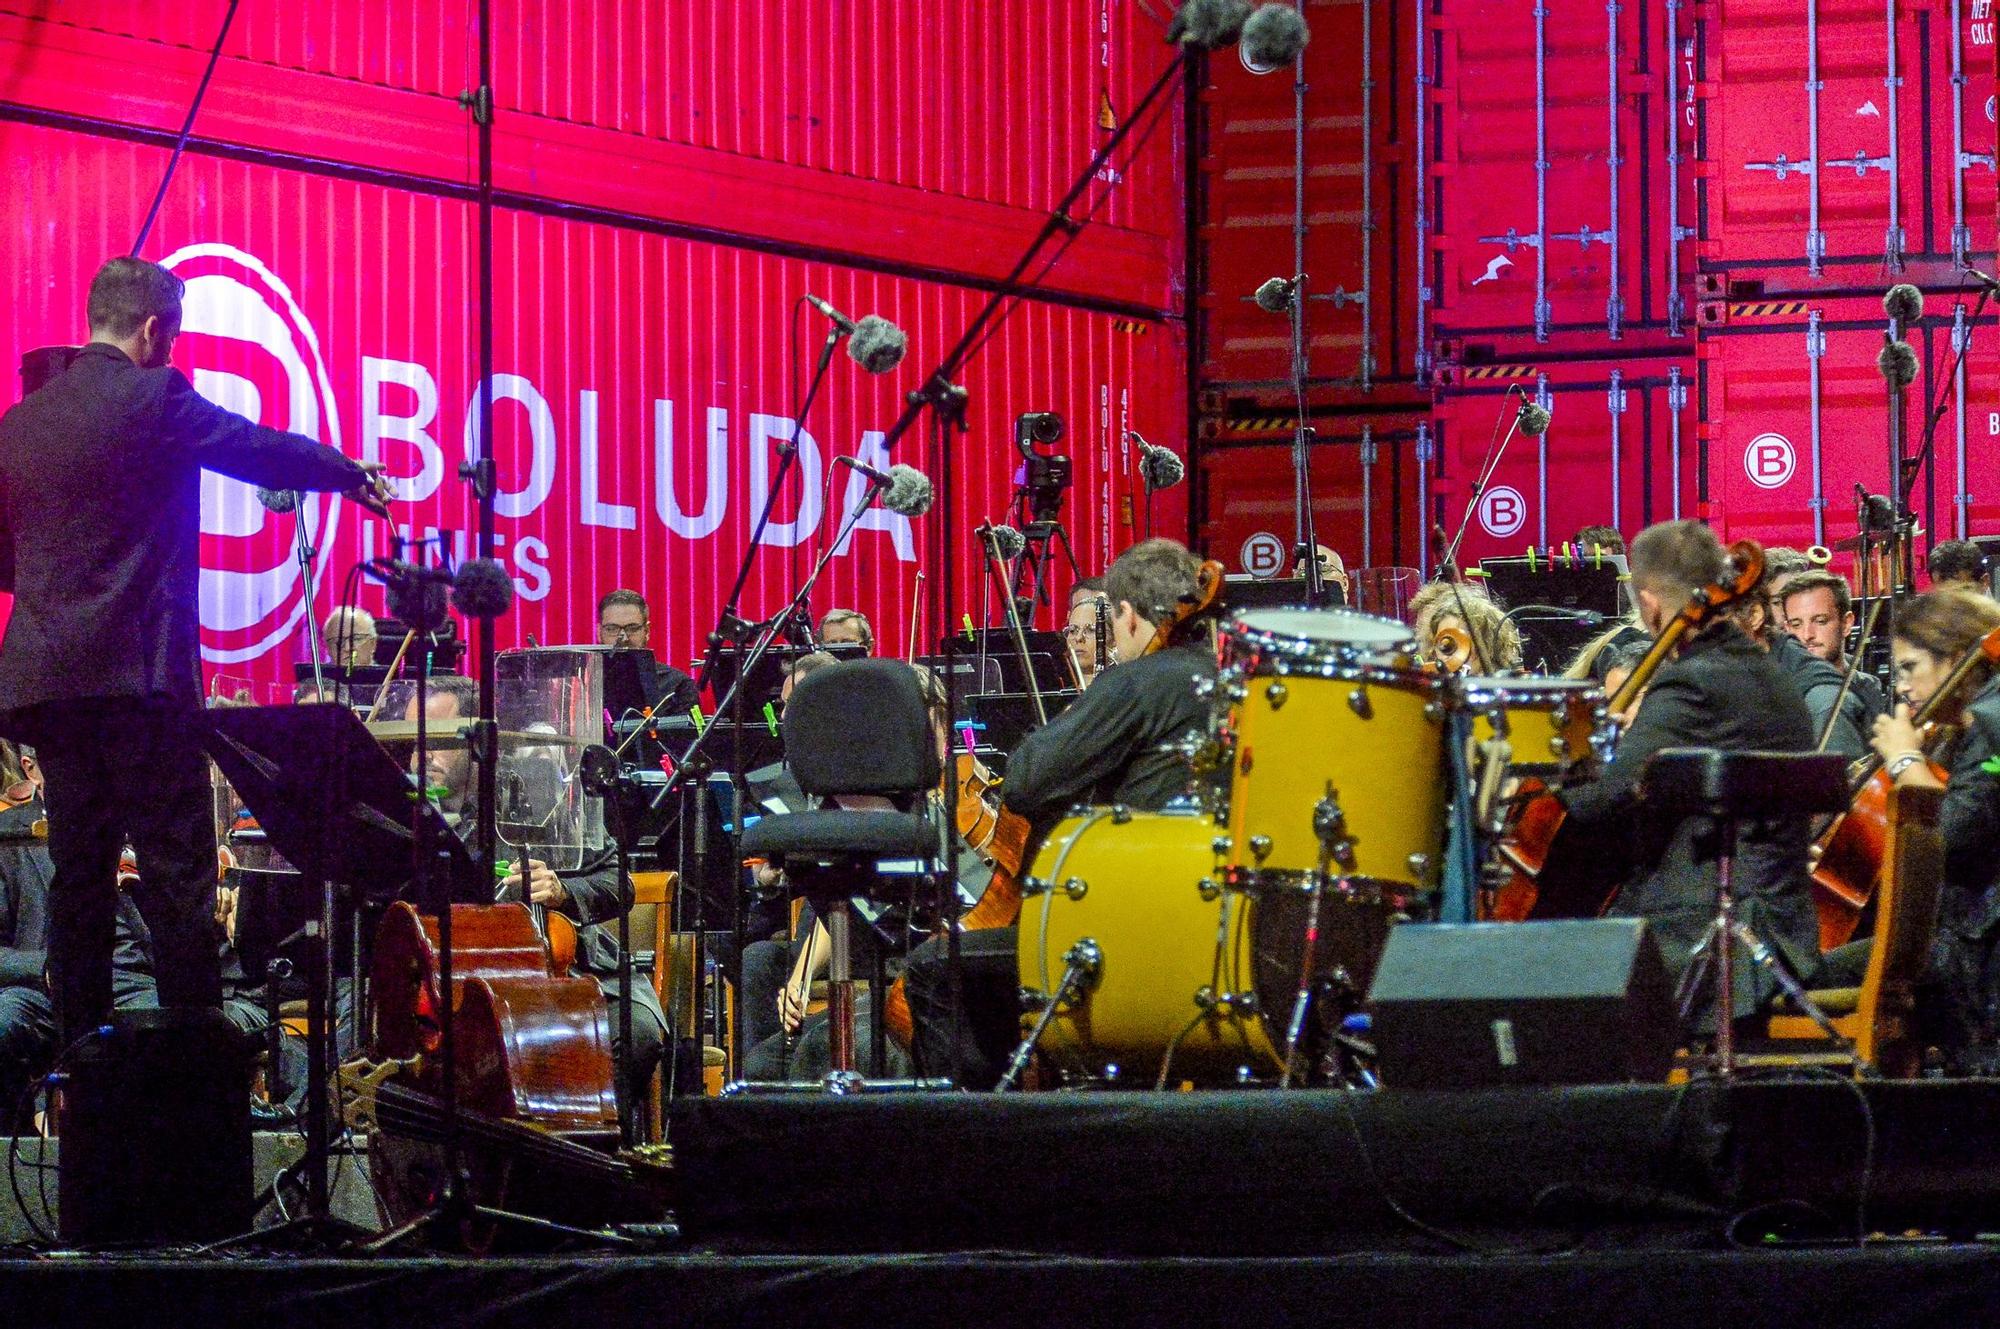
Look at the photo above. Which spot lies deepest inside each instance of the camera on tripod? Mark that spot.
(1044, 478)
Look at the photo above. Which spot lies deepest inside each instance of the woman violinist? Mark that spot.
(1932, 633)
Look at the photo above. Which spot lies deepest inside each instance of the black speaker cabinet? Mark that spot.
(1583, 1001)
(155, 1132)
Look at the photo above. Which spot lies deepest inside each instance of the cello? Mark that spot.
(1851, 847)
(1532, 887)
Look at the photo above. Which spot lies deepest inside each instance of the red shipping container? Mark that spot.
(1357, 195)
(1619, 451)
(1364, 479)
(1556, 181)
(913, 132)
(642, 384)
(1794, 414)
(1840, 136)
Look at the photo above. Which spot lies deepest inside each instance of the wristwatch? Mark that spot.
(1903, 763)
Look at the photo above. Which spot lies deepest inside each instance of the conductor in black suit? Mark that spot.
(1720, 690)
(100, 491)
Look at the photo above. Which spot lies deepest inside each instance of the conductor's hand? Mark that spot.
(377, 490)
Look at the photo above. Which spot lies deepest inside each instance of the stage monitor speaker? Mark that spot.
(1583, 1001)
(155, 1142)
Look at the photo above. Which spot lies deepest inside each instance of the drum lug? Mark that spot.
(1120, 814)
(1076, 888)
(1559, 746)
(1420, 867)
(1260, 847)
(1034, 999)
(1033, 886)
(1222, 845)
(1433, 711)
(1276, 694)
(1210, 891)
(1236, 692)
(1357, 701)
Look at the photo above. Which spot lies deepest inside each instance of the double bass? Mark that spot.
(1536, 884)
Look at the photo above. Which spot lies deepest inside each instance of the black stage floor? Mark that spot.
(1518, 1207)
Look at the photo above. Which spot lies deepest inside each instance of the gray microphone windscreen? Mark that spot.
(482, 589)
(1274, 35)
(1008, 543)
(1898, 364)
(278, 500)
(1904, 303)
(1207, 24)
(877, 344)
(1533, 418)
(1275, 295)
(1160, 468)
(909, 491)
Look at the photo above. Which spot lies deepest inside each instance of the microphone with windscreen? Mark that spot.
(873, 342)
(1273, 36)
(1276, 295)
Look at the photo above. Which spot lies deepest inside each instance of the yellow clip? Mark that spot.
(1531, 558)
(970, 634)
(771, 718)
(700, 720)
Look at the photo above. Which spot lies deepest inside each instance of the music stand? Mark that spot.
(333, 801)
(1242, 591)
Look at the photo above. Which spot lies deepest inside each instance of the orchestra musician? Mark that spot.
(1332, 570)
(1818, 609)
(100, 667)
(1960, 562)
(1721, 690)
(1495, 641)
(847, 627)
(1835, 710)
(1932, 632)
(1599, 540)
(623, 623)
(591, 895)
(1088, 631)
(1123, 741)
(350, 637)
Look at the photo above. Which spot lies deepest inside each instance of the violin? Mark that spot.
(1852, 846)
(1451, 651)
(1531, 887)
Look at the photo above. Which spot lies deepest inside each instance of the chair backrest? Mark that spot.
(861, 727)
(1906, 905)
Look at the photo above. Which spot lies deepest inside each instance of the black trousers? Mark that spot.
(972, 1042)
(118, 769)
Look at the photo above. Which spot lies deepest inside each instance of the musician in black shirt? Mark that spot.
(1125, 740)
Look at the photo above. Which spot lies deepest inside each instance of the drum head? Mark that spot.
(1320, 629)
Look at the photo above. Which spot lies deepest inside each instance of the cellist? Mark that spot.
(1120, 742)
(1961, 1012)
(1720, 690)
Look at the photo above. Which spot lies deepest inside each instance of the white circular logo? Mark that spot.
(1991, 104)
(1770, 460)
(1264, 555)
(1502, 510)
(250, 346)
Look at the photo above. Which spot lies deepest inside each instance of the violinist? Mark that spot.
(591, 895)
(1818, 609)
(1721, 690)
(1088, 631)
(1445, 614)
(1932, 633)
(1123, 741)
(1836, 710)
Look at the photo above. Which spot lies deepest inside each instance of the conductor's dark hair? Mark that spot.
(128, 291)
(463, 689)
(1153, 577)
(1957, 560)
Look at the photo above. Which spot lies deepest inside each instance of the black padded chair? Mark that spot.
(859, 728)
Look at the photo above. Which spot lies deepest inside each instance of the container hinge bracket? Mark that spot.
(1512, 240)
(1584, 237)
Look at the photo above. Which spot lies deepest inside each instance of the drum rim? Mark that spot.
(1487, 688)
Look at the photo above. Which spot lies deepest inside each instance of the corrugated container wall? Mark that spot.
(1558, 186)
(922, 133)
(655, 234)
(1842, 139)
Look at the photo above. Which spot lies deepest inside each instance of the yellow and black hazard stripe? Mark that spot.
(1767, 308)
(1259, 424)
(1475, 372)
(1135, 327)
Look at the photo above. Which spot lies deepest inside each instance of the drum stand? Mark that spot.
(1083, 963)
(1335, 847)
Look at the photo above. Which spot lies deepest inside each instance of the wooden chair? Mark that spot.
(1877, 1016)
(675, 981)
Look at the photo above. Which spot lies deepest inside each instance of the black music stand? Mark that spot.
(340, 809)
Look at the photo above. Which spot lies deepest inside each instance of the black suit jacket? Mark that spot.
(100, 490)
(1723, 691)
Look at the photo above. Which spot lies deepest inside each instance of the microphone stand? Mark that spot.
(302, 549)
(1934, 411)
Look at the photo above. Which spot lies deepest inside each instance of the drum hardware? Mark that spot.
(1357, 701)
(1276, 694)
(1420, 866)
(1222, 845)
(1260, 847)
(1236, 692)
(1208, 889)
(1082, 963)
(1075, 888)
(1330, 826)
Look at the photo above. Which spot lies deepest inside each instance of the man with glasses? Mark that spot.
(1088, 631)
(623, 625)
